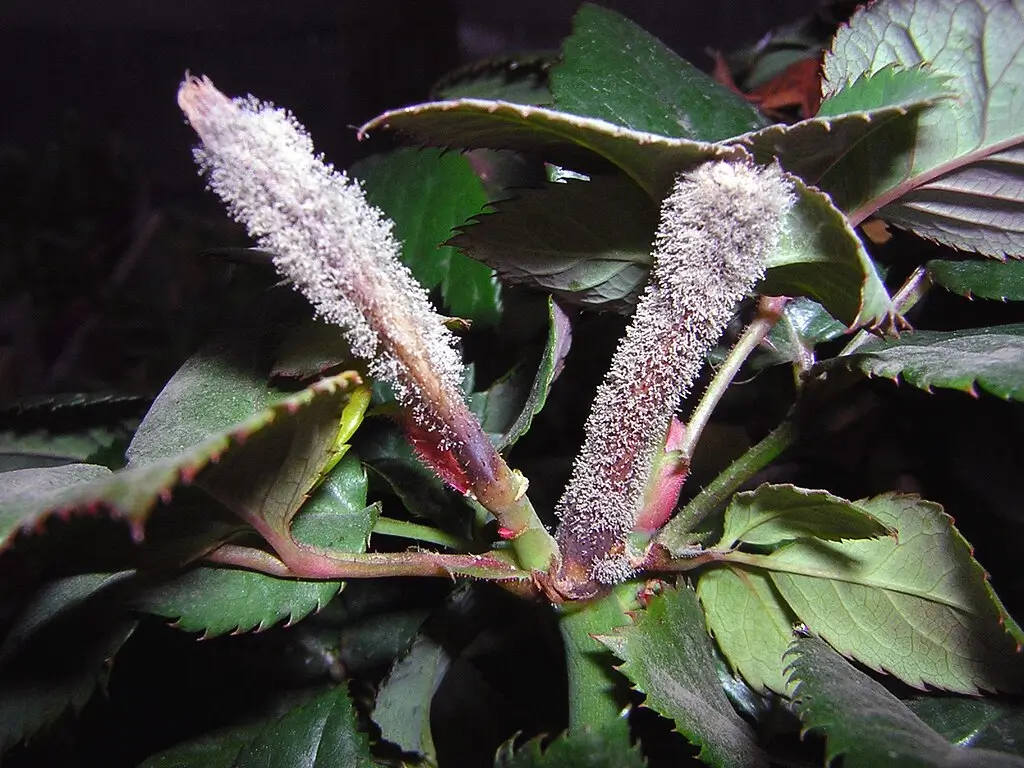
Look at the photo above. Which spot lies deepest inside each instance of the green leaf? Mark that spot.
(520, 79)
(280, 444)
(389, 456)
(668, 656)
(865, 723)
(59, 651)
(986, 723)
(613, 70)
(821, 257)
(918, 608)
(956, 175)
(751, 623)
(804, 324)
(22, 449)
(1002, 280)
(569, 141)
(892, 86)
(811, 147)
(322, 733)
(506, 409)
(551, 362)
(773, 514)
(311, 349)
(219, 749)
(589, 242)
(402, 710)
(586, 748)
(428, 194)
(29, 496)
(989, 358)
(220, 600)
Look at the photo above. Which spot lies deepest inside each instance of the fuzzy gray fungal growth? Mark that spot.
(718, 227)
(336, 248)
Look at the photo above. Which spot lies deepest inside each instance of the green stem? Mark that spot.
(769, 310)
(675, 535)
(912, 291)
(595, 700)
(386, 526)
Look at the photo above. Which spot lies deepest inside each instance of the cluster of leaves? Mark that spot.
(265, 441)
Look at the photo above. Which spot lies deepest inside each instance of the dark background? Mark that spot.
(116, 64)
(104, 285)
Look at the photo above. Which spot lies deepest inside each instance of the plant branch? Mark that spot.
(303, 562)
(912, 291)
(675, 535)
(769, 310)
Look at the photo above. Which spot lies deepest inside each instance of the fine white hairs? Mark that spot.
(335, 247)
(718, 227)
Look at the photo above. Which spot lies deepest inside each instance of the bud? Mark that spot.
(718, 226)
(336, 248)
(339, 251)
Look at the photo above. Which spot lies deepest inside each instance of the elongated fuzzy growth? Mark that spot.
(336, 248)
(339, 251)
(718, 227)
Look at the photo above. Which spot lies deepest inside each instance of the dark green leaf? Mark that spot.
(59, 651)
(773, 514)
(29, 496)
(821, 257)
(402, 709)
(892, 86)
(220, 600)
(322, 733)
(219, 749)
(588, 242)
(865, 723)
(281, 444)
(583, 749)
(804, 324)
(428, 194)
(310, 350)
(987, 723)
(1002, 280)
(956, 174)
(566, 140)
(521, 79)
(918, 607)
(319, 733)
(811, 147)
(668, 656)
(989, 358)
(506, 409)
(555, 351)
(751, 623)
(422, 493)
(43, 448)
(613, 70)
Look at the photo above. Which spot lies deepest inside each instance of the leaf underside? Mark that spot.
(956, 174)
(990, 359)
(864, 723)
(667, 655)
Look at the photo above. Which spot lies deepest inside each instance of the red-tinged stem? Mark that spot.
(313, 563)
